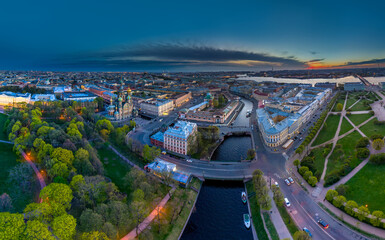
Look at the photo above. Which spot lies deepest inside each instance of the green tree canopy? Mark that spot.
(64, 227)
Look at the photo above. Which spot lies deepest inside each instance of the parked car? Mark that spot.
(276, 184)
(323, 224)
(307, 231)
(291, 180)
(287, 182)
(189, 160)
(287, 202)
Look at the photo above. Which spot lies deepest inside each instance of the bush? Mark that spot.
(377, 158)
(361, 213)
(312, 181)
(363, 142)
(342, 189)
(339, 201)
(376, 136)
(378, 144)
(376, 122)
(350, 206)
(332, 178)
(362, 153)
(302, 170)
(307, 175)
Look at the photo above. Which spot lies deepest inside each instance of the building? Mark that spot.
(43, 97)
(121, 106)
(79, 96)
(354, 86)
(382, 85)
(281, 119)
(326, 85)
(178, 138)
(9, 98)
(158, 139)
(156, 107)
(181, 99)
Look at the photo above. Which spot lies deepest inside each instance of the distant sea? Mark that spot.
(374, 80)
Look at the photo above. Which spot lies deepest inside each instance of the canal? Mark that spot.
(218, 213)
(219, 210)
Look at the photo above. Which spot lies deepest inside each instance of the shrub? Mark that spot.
(362, 212)
(378, 144)
(350, 206)
(342, 189)
(363, 142)
(331, 194)
(376, 136)
(376, 122)
(376, 218)
(303, 169)
(362, 153)
(377, 158)
(333, 177)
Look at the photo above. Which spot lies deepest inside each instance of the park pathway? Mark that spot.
(146, 222)
(276, 218)
(335, 139)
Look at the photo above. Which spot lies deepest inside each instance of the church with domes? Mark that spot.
(121, 106)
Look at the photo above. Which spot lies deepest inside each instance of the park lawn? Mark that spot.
(289, 222)
(115, 168)
(370, 128)
(341, 100)
(348, 146)
(360, 106)
(366, 187)
(357, 119)
(8, 160)
(256, 213)
(319, 160)
(3, 135)
(372, 96)
(270, 226)
(351, 100)
(345, 127)
(328, 130)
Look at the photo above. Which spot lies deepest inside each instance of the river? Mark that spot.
(219, 210)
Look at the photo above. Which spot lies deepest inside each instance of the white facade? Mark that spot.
(8, 98)
(156, 107)
(176, 138)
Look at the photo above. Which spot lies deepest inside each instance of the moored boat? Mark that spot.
(244, 197)
(246, 220)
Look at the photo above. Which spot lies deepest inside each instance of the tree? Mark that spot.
(277, 195)
(297, 163)
(303, 169)
(37, 230)
(22, 175)
(307, 175)
(215, 103)
(138, 213)
(110, 230)
(64, 227)
(375, 220)
(59, 169)
(312, 181)
(104, 124)
(138, 195)
(82, 162)
(11, 225)
(95, 235)
(301, 235)
(150, 153)
(339, 201)
(5, 203)
(378, 144)
(362, 212)
(339, 107)
(362, 153)
(350, 206)
(250, 154)
(76, 181)
(342, 189)
(377, 158)
(362, 143)
(57, 193)
(63, 155)
(331, 194)
(90, 221)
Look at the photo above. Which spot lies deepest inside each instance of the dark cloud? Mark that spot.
(372, 61)
(313, 52)
(176, 55)
(316, 60)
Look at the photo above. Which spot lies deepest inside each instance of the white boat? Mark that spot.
(246, 220)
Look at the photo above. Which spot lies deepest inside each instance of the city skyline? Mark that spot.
(174, 36)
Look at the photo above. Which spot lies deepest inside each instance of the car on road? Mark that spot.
(291, 180)
(323, 224)
(287, 203)
(307, 231)
(276, 184)
(287, 182)
(189, 160)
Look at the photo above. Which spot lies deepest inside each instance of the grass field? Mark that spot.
(370, 128)
(366, 187)
(319, 161)
(115, 168)
(328, 130)
(357, 119)
(360, 106)
(3, 135)
(348, 146)
(345, 127)
(290, 224)
(270, 226)
(256, 213)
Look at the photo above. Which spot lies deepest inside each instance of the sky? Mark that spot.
(210, 35)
